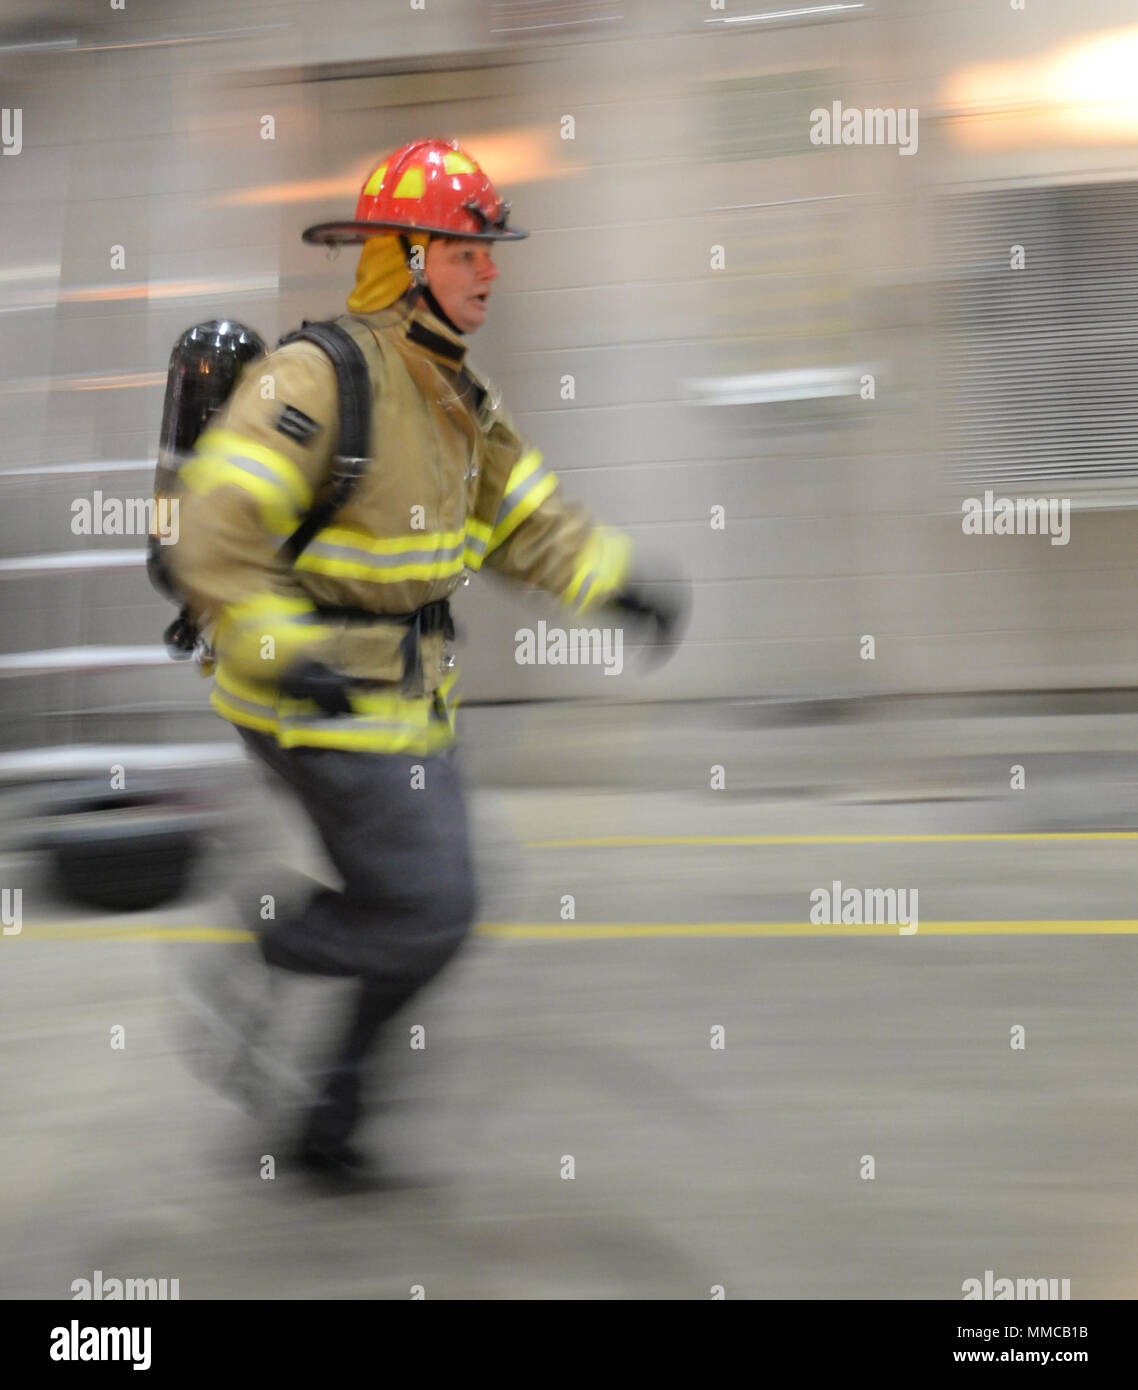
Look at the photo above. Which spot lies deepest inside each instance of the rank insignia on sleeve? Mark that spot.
(296, 424)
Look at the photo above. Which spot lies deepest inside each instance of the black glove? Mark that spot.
(312, 680)
(665, 607)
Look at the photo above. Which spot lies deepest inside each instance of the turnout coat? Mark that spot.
(452, 487)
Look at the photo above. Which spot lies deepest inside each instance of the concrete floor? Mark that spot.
(694, 1167)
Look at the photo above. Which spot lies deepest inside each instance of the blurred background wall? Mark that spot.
(733, 378)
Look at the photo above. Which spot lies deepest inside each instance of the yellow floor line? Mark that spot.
(647, 841)
(134, 931)
(581, 931)
(607, 931)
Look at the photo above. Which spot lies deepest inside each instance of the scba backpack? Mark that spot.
(205, 365)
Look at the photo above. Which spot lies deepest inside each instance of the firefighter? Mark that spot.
(336, 671)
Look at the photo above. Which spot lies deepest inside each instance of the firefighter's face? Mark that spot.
(460, 274)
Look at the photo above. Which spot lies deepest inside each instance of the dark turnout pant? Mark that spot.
(407, 903)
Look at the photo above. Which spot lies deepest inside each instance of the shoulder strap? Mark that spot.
(353, 381)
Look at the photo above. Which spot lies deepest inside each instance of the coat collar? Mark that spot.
(415, 324)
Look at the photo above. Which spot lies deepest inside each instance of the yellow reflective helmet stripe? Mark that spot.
(411, 184)
(601, 569)
(371, 188)
(456, 163)
(529, 484)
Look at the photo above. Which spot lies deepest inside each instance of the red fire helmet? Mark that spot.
(426, 186)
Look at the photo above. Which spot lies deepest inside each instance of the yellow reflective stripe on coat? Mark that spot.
(268, 628)
(225, 459)
(381, 722)
(529, 484)
(477, 543)
(354, 554)
(601, 569)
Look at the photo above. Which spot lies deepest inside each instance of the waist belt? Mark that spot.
(432, 617)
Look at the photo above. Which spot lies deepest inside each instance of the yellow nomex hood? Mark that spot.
(383, 275)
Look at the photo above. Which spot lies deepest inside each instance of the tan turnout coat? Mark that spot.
(452, 486)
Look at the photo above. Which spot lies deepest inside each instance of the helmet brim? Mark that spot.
(355, 233)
